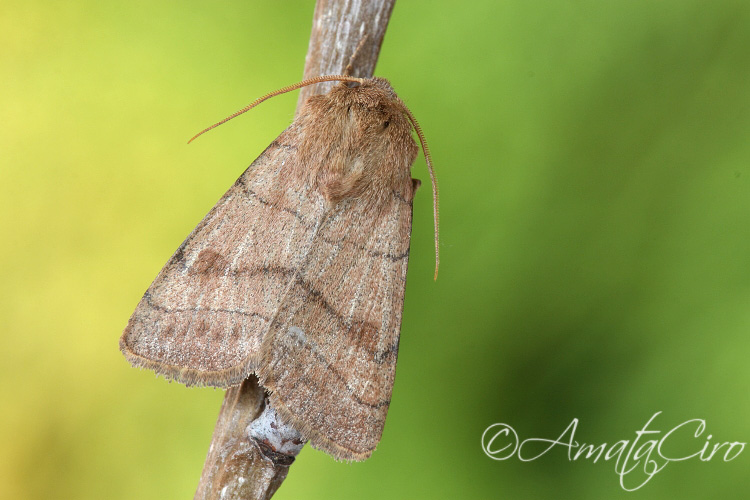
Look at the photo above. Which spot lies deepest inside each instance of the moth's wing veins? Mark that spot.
(203, 319)
(329, 358)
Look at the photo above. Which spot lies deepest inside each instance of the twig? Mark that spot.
(338, 28)
(251, 450)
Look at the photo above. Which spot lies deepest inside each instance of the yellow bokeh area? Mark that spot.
(594, 165)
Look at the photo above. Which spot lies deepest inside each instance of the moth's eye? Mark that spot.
(385, 125)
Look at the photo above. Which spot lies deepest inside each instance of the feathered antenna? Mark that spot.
(428, 161)
(303, 83)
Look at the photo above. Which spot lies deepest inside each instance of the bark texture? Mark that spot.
(238, 466)
(341, 28)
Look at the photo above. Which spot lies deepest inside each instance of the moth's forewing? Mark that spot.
(202, 320)
(330, 356)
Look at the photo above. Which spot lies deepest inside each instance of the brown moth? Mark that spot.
(298, 273)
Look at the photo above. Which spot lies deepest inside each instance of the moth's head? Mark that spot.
(356, 142)
(369, 116)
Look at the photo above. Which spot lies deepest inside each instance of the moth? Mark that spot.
(297, 274)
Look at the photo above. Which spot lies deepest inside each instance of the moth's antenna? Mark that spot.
(303, 83)
(435, 211)
(350, 66)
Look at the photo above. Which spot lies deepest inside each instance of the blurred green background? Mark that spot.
(594, 164)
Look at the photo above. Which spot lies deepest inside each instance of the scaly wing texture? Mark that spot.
(203, 319)
(329, 358)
